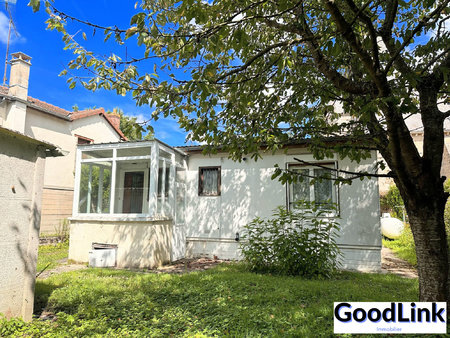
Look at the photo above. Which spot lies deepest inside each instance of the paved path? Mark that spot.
(64, 267)
(392, 264)
(389, 263)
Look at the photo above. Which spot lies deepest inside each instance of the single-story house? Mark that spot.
(63, 128)
(151, 203)
(22, 163)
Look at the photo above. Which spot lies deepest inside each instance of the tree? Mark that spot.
(132, 129)
(258, 72)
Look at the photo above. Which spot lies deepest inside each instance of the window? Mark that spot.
(95, 187)
(166, 181)
(83, 140)
(322, 192)
(209, 181)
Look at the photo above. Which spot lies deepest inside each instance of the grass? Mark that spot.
(226, 300)
(51, 254)
(403, 247)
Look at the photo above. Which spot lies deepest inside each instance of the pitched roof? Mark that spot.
(81, 114)
(65, 114)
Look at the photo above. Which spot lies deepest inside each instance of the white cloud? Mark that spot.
(4, 27)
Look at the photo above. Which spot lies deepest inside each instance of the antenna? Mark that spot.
(11, 24)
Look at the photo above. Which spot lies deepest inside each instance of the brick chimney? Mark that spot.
(16, 112)
(19, 75)
(114, 117)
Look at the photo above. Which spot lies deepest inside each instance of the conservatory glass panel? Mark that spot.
(95, 188)
(138, 151)
(180, 179)
(102, 153)
(163, 187)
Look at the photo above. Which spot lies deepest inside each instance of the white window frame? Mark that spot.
(335, 188)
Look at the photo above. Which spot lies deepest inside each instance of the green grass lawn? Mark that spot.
(223, 301)
(51, 254)
(404, 246)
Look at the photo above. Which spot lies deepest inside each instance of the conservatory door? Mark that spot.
(133, 190)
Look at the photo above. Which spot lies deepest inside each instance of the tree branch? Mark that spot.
(348, 34)
(258, 55)
(395, 54)
(359, 12)
(357, 174)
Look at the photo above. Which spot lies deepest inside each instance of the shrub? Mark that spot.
(300, 242)
(392, 202)
(403, 246)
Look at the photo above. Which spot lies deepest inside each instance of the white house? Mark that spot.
(152, 203)
(65, 129)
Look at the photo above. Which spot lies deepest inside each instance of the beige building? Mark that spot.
(415, 127)
(22, 163)
(65, 129)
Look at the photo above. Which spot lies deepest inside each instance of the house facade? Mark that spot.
(153, 203)
(65, 129)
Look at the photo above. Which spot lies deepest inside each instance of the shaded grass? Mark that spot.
(403, 247)
(223, 301)
(51, 254)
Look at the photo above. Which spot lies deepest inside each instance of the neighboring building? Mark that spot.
(152, 203)
(22, 162)
(415, 127)
(65, 129)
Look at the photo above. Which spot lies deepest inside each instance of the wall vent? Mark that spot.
(103, 255)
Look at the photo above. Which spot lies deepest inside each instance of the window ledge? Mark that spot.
(120, 218)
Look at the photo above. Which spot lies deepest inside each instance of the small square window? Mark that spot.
(209, 181)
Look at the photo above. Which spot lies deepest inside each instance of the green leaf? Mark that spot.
(35, 5)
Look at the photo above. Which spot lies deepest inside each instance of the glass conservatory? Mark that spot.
(129, 181)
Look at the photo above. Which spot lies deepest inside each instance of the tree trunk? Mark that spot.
(427, 225)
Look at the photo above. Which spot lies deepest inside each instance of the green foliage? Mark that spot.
(300, 242)
(392, 202)
(51, 255)
(403, 247)
(224, 301)
(233, 79)
(133, 130)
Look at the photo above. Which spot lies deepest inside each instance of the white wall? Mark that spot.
(42, 126)
(139, 244)
(248, 191)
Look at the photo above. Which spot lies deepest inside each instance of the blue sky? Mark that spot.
(49, 59)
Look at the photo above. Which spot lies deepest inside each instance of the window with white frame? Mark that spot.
(323, 192)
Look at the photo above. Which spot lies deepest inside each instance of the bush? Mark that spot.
(300, 242)
(403, 246)
(392, 202)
